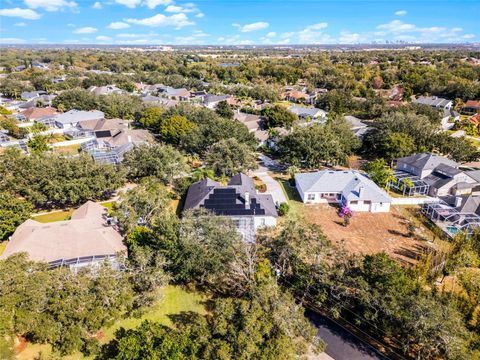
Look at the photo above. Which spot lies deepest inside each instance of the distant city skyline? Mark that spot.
(234, 22)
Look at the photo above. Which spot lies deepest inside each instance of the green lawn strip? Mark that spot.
(54, 216)
(3, 245)
(172, 300)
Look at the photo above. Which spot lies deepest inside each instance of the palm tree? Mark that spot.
(202, 173)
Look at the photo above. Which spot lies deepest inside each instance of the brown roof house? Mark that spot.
(35, 113)
(471, 107)
(87, 239)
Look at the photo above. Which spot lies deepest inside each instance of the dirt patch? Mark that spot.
(20, 344)
(369, 233)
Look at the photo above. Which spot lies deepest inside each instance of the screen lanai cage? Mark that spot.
(450, 220)
(408, 184)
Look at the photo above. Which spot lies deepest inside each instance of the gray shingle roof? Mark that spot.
(230, 200)
(432, 101)
(75, 116)
(306, 111)
(347, 182)
(427, 161)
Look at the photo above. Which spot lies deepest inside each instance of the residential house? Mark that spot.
(30, 95)
(211, 101)
(238, 200)
(85, 240)
(109, 146)
(358, 127)
(73, 117)
(171, 93)
(253, 124)
(299, 97)
(4, 136)
(436, 175)
(308, 113)
(151, 100)
(251, 121)
(36, 113)
(434, 102)
(344, 187)
(106, 90)
(449, 116)
(471, 107)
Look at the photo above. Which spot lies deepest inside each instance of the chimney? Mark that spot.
(247, 200)
(360, 191)
(458, 201)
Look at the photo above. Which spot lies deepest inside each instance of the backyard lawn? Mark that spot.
(367, 233)
(171, 300)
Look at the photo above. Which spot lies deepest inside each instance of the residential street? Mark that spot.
(341, 344)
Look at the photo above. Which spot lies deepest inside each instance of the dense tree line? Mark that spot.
(122, 106)
(318, 145)
(386, 299)
(52, 180)
(194, 129)
(402, 133)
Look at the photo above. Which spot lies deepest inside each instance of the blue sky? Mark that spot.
(229, 22)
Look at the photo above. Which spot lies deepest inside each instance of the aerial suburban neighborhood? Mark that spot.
(239, 180)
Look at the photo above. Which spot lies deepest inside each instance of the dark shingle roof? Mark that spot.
(230, 200)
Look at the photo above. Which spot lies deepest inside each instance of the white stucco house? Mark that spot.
(344, 187)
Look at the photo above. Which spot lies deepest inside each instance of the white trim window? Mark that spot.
(310, 197)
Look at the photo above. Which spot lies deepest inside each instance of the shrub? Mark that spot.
(283, 209)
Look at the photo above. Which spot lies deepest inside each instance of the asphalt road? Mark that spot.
(342, 345)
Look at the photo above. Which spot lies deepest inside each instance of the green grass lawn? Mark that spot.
(108, 205)
(172, 300)
(54, 216)
(294, 200)
(3, 244)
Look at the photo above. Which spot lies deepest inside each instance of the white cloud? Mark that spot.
(117, 25)
(97, 5)
(129, 3)
(152, 4)
(312, 34)
(347, 37)
(20, 24)
(85, 30)
(401, 12)
(11, 41)
(468, 36)
(397, 26)
(271, 34)
(50, 5)
(178, 21)
(253, 26)
(21, 13)
(103, 38)
(200, 15)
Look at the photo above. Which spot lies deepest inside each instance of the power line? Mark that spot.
(353, 325)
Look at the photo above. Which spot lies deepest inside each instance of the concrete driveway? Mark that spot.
(273, 187)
